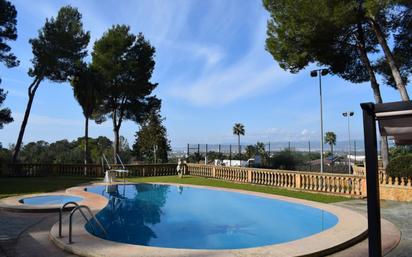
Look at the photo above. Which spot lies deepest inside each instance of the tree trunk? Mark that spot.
(86, 144)
(31, 93)
(116, 137)
(384, 151)
(86, 140)
(116, 144)
(390, 60)
(378, 99)
(331, 151)
(375, 88)
(238, 144)
(374, 83)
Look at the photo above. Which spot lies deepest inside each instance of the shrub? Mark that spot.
(400, 166)
(5, 158)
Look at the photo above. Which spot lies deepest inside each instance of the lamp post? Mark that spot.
(319, 73)
(348, 114)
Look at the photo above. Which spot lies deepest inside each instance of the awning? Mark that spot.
(394, 119)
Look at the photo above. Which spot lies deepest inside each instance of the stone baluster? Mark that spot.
(327, 183)
(355, 186)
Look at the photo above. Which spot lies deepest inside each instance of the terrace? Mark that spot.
(346, 191)
(71, 184)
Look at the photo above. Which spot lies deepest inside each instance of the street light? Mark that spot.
(348, 114)
(319, 73)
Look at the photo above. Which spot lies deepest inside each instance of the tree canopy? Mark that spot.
(330, 138)
(5, 113)
(69, 152)
(342, 35)
(334, 33)
(60, 46)
(57, 52)
(239, 129)
(152, 134)
(8, 31)
(87, 89)
(87, 86)
(399, 18)
(126, 62)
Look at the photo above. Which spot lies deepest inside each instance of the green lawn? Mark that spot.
(256, 188)
(10, 186)
(15, 186)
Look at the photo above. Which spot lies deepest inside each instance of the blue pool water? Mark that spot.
(195, 218)
(50, 199)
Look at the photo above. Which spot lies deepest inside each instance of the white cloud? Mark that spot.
(248, 76)
(44, 120)
(212, 54)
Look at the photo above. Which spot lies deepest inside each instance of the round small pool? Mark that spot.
(50, 199)
(200, 218)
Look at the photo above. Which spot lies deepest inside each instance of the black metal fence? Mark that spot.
(296, 155)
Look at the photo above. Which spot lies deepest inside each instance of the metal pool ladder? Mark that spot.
(79, 208)
(122, 170)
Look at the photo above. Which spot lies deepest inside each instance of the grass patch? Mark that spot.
(10, 186)
(249, 187)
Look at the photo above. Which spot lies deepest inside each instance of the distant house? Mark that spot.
(253, 162)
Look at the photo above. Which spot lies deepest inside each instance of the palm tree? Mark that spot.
(330, 139)
(238, 130)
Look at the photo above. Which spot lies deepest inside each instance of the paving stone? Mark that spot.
(400, 214)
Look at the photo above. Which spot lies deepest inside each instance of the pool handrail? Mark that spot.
(107, 163)
(118, 157)
(79, 207)
(61, 214)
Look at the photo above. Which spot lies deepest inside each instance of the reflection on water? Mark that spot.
(185, 217)
(128, 215)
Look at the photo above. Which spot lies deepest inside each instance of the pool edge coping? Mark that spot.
(13, 204)
(342, 235)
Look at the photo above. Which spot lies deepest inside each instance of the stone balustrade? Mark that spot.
(41, 169)
(201, 170)
(147, 170)
(350, 185)
(399, 189)
(396, 189)
(91, 170)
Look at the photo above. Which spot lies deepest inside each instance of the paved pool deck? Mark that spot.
(26, 234)
(399, 213)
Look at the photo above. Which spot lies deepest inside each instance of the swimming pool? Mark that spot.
(50, 199)
(198, 218)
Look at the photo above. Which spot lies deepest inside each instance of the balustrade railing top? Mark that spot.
(93, 170)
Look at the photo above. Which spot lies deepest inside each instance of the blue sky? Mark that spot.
(212, 70)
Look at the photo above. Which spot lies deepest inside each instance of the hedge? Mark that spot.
(400, 166)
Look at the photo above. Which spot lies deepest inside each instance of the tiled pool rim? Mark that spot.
(351, 228)
(15, 203)
(48, 199)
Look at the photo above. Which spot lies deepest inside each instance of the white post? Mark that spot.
(321, 122)
(349, 143)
